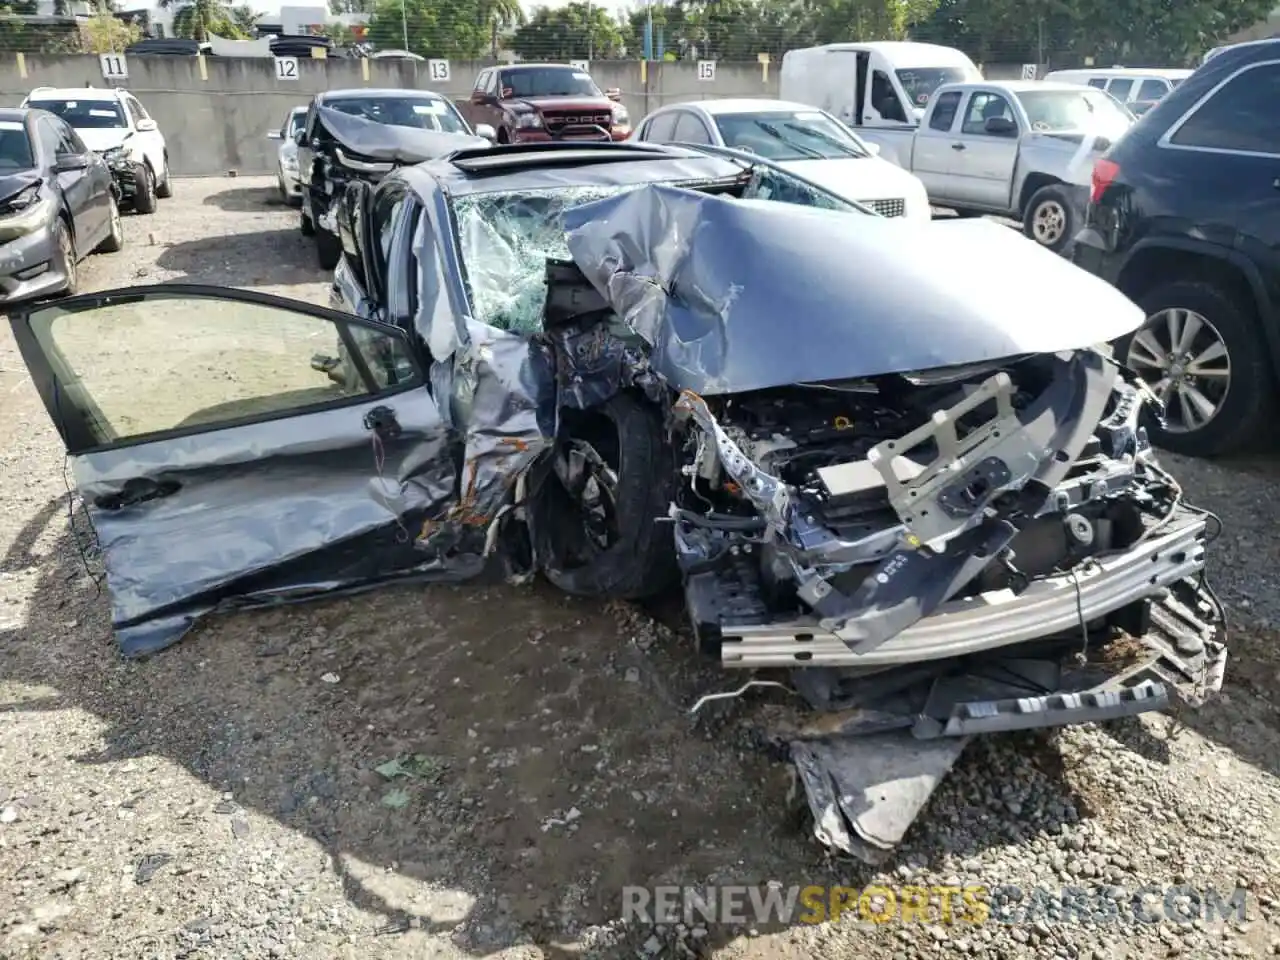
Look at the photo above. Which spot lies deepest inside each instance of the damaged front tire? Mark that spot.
(595, 517)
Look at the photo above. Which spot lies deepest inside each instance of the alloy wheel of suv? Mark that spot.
(1181, 355)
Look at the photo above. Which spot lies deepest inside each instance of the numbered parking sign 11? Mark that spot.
(706, 69)
(286, 68)
(438, 71)
(114, 66)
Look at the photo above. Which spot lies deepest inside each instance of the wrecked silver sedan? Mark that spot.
(862, 453)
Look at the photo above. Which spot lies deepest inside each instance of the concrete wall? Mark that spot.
(215, 112)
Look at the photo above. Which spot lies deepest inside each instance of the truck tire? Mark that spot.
(638, 559)
(1050, 218)
(305, 225)
(1243, 413)
(164, 188)
(144, 193)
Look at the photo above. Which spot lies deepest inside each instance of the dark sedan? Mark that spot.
(58, 203)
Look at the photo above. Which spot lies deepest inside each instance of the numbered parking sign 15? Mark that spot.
(114, 66)
(286, 68)
(438, 70)
(706, 69)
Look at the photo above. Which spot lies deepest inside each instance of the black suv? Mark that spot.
(1184, 217)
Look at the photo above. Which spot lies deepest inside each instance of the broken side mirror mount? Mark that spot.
(999, 127)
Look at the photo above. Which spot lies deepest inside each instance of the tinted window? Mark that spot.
(1099, 82)
(482, 80)
(429, 113)
(15, 147)
(1120, 89)
(296, 122)
(982, 107)
(920, 82)
(690, 129)
(661, 128)
(548, 82)
(944, 111)
(50, 139)
(1238, 116)
(1152, 90)
(68, 141)
(85, 114)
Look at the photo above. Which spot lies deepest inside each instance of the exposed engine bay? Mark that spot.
(932, 554)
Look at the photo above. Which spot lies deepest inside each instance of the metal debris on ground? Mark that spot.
(149, 865)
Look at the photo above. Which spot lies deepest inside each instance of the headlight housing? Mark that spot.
(116, 157)
(528, 121)
(23, 200)
(620, 115)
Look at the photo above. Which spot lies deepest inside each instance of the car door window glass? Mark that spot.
(207, 362)
(1231, 118)
(50, 139)
(691, 129)
(1120, 89)
(662, 128)
(482, 81)
(1099, 82)
(983, 107)
(69, 141)
(885, 99)
(1152, 90)
(944, 111)
(135, 111)
(386, 206)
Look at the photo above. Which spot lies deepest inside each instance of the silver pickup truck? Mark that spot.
(1020, 149)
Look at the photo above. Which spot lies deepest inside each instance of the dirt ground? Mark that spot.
(223, 799)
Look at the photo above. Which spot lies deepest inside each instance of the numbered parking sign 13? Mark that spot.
(706, 69)
(286, 68)
(114, 66)
(438, 70)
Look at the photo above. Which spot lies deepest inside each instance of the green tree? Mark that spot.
(196, 19)
(572, 32)
(245, 19)
(339, 7)
(104, 33)
(435, 28)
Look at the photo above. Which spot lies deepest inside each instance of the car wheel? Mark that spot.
(1202, 353)
(66, 246)
(306, 226)
(164, 189)
(144, 197)
(115, 239)
(328, 249)
(593, 518)
(1050, 219)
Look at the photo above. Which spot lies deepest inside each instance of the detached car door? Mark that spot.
(218, 467)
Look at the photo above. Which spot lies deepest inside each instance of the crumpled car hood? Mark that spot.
(383, 141)
(740, 295)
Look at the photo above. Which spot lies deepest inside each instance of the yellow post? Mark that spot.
(763, 60)
(644, 71)
(319, 53)
(22, 65)
(204, 67)
(364, 69)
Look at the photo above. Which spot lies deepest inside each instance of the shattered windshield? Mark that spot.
(506, 240)
(920, 82)
(425, 113)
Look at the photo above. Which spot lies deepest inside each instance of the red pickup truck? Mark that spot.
(526, 103)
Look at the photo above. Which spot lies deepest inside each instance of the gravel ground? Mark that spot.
(222, 799)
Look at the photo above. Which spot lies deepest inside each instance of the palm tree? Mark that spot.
(199, 18)
(498, 14)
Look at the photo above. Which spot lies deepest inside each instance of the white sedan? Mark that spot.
(287, 157)
(810, 142)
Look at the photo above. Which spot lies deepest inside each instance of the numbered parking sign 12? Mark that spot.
(706, 69)
(438, 70)
(114, 66)
(286, 68)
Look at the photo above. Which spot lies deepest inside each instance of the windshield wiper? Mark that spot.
(777, 134)
(825, 137)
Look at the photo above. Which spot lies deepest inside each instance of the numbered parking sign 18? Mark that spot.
(438, 70)
(114, 66)
(286, 68)
(706, 69)
(1028, 71)
(582, 66)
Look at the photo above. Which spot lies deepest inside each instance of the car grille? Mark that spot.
(576, 122)
(888, 208)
